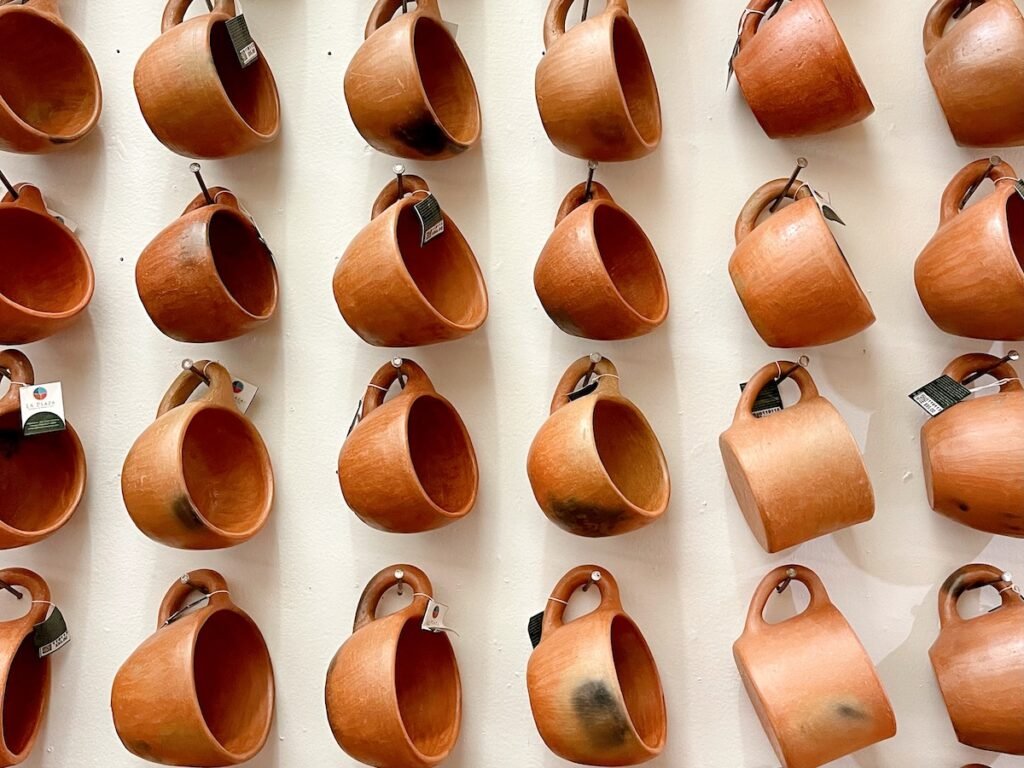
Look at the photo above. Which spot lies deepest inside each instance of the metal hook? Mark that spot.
(595, 578)
(588, 193)
(992, 163)
(965, 8)
(783, 585)
(399, 170)
(400, 576)
(398, 362)
(1011, 357)
(10, 187)
(405, 6)
(190, 366)
(803, 362)
(586, 7)
(197, 170)
(778, 6)
(4, 585)
(595, 358)
(801, 163)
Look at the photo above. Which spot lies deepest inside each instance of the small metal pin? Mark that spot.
(586, 7)
(803, 362)
(356, 417)
(190, 366)
(209, 5)
(588, 193)
(4, 585)
(399, 170)
(10, 187)
(801, 163)
(1012, 356)
(595, 358)
(595, 578)
(964, 9)
(1007, 577)
(197, 170)
(778, 6)
(992, 163)
(5, 373)
(397, 363)
(405, 6)
(400, 577)
(784, 584)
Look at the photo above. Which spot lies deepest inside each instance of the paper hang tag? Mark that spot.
(51, 635)
(940, 395)
(434, 618)
(453, 29)
(583, 391)
(535, 627)
(769, 399)
(63, 219)
(825, 205)
(732, 58)
(431, 219)
(255, 226)
(241, 40)
(244, 393)
(42, 409)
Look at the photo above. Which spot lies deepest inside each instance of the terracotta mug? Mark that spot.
(596, 466)
(24, 677)
(598, 276)
(409, 89)
(208, 276)
(394, 696)
(979, 662)
(394, 292)
(200, 690)
(46, 278)
(791, 275)
(42, 477)
(50, 96)
(970, 276)
(199, 477)
(809, 679)
(194, 94)
(977, 71)
(409, 464)
(796, 73)
(797, 474)
(595, 86)
(973, 453)
(594, 687)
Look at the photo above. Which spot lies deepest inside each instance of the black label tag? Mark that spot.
(51, 635)
(769, 399)
(241, 39)
(535, 627)
(583, 391)
(431, 219)
(939, 395)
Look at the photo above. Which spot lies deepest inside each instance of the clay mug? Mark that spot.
(791, 275)
(408, 88)
(394, 696)
(977, 71)
(596, 466)
(809, 679)
(973, 453)
(395, 292)
(24, 677)
(594, 687)
(797, 474)
(50, 96)
(979, 662)
(199, 477)
(970, 276)
(46, 278)
(42, 477)
(195, 96)
(409, 464)
(795, 71)
(200, 690)
(595, 86)
(208, 276)
(598, 276)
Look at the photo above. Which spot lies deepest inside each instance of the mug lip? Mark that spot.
(220, 209)
(620, 615)
(616, 15)
(37, 727)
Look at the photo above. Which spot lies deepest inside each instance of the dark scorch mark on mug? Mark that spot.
(425, 136)
(850, 712)
(182, 509)
(603, 720)
(585, 519)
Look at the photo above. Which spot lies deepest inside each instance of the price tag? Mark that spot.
(431, 219)
(244, 393)
(940, 395)
(534, 628)
(42, 409)
(434, 618)
(241, 39)
(769, 399)
(51, 635)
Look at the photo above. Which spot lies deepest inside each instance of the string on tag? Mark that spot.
(999, 383)
(206, 596)
(736, 47)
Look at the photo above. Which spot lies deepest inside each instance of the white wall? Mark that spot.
(686, 580)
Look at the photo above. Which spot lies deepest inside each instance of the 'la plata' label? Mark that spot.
(42, 409)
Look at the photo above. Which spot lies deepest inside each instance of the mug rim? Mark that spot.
(40, 715)
(616, 16)
(218, 209)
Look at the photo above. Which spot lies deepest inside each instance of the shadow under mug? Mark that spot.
(200, 690)
(199, 477)
(50, 95)
(598, 276)
(194, 94)
(595, 87)
(791, 275)
(408, 465)
(395, 292)
(393, 692)
(208, 276)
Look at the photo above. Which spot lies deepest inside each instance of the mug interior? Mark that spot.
(42, 267)
(638, 681)
(40, 481)
(442, 455)
(243, 263)
(636, 78)
(46, 77)
(1015, 225)
(232, 673)
(630, 261)
(427, 683)
(24, 697)
(447, 81)
(251, 90)
(630, 454)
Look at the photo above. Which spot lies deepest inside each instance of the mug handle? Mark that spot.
(762, 198)
(389, 195)
(963, 366)
(799, 374)
(220, 195)
(21, 373)
(384, 10)
(29, 196)
(174, 13)
(575, 198)
(968, 175)
(423, 591)
(554, 612)
(975, 576)
(416, 381)
(937, 20)
(608, 385)
(47, 7)
(220, 387)
(753, 20)
(558, 11)
(807, 577)
(206, 581)
(39, 594)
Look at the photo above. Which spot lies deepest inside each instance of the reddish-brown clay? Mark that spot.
(199, 477)
(791, 275)
(596, 466)
(409, 465)
(394, 292)
(797, 474)
(979, 662)
(195, 96)
(593, 683)
(810, 680)
(973, 453)
(598, 276)
(42, 478)
(394, 696)
(46, 278)
(50, 95)
(208, 276)
(24, 677)
(200, 690)
(409, 90)
(970, 276)
(595, 87)
(796, 72)
(977, 70)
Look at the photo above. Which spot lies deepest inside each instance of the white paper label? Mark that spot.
(434, 618)
(42, 409)
(244, 393)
